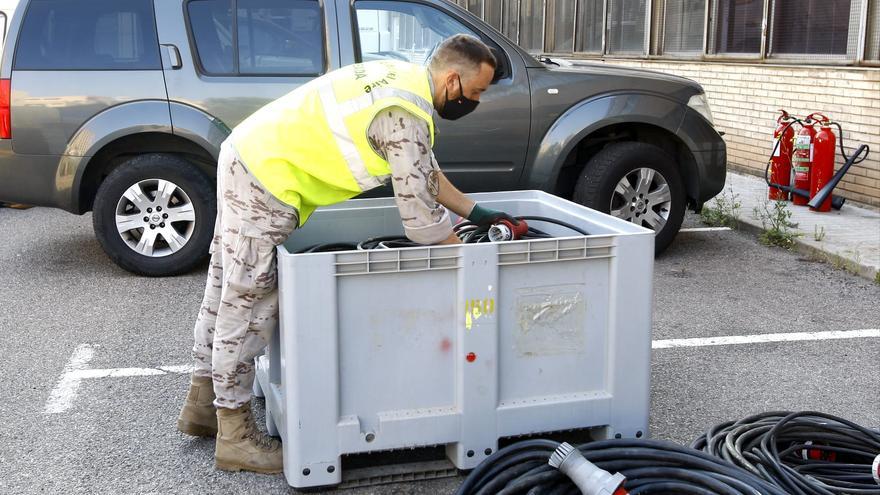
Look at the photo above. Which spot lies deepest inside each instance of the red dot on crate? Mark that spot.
(471, 357)
(445, 345)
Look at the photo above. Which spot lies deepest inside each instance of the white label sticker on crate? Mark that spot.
(551, 320)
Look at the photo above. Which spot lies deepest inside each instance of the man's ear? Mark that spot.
(451, 76)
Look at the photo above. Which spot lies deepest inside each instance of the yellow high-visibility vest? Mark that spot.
(310, 147)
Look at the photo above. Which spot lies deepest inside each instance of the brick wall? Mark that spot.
(745, 100)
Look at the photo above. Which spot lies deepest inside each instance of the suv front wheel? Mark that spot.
(636, 182)
(154, 215)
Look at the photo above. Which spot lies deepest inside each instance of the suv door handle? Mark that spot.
(173, 56)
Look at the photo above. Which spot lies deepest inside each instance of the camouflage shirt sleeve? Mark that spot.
(403, 140)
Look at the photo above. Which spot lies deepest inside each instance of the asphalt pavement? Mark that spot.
(59, 292)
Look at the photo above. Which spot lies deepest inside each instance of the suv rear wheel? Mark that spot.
(636, 182)
(154, 215)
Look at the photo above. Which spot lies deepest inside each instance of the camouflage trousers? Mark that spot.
(240, 307)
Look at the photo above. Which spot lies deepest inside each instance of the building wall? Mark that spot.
(745, 100)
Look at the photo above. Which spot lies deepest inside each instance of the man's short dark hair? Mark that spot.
(464, 53)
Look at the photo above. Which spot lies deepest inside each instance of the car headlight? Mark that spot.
(700, 104)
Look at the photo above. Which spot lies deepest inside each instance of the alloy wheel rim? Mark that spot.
(155, 218)
(643, 198)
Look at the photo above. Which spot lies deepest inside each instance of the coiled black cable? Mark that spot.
(466, 226)
(329, 247)
(567, 225)
(385, 242)
(650, 466)
(804, 453)
(468, 232)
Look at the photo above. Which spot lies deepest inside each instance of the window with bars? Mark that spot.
(590, 23)
(492, 13)
(560, 32)
(488, 10)
(531, 25)
(684, 22)
(872, 48)
(510, 19)
(796, 29)
(475, 7)
(626, 26)
(736, 26)
(823, 28)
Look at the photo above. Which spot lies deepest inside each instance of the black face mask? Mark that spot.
(458, 108)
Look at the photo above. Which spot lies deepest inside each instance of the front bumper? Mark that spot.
(709, 151)
(712, 167)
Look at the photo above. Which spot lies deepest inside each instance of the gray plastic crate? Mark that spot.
(456, 345)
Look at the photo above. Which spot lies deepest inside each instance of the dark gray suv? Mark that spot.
(119, 107)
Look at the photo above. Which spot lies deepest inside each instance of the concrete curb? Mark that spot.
(850, 236)
(835, 259)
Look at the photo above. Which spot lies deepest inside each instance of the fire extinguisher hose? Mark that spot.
(837, 201)
(843, 151)
(804, 453)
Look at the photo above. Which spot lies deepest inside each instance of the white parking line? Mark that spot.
(704, 229)
(65, 391)
(766, 337)
(180, 368)
(117, 372)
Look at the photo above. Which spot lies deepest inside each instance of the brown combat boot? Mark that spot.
(199, 416)
(242, 446)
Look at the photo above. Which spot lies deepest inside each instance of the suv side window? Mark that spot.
(264, 37)
(93, 35)
(402, 30)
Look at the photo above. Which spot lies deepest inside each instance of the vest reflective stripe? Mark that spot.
(335, 113)
(362, 103)
(335, 119)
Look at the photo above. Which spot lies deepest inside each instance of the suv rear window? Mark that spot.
(274, 37)
(91, 35)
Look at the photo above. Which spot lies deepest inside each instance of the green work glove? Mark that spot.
(484, 217)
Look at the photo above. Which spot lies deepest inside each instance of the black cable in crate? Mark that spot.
(466, 231)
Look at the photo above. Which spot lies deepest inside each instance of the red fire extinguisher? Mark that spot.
(802, 159)
(822, 168)
(780, 163)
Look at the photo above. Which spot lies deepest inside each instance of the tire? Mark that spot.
(632, 162)
(179, 222)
